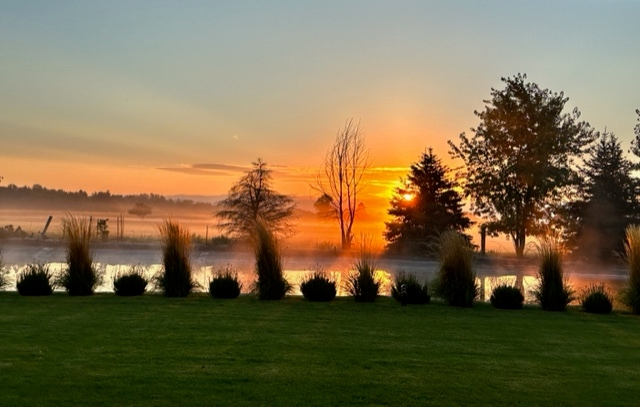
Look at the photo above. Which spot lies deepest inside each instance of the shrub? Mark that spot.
(408, 290)
(552, 292)
(271, 284)
(80, 277)
(596, 300)
(630, 296)
(225, 284)
(363, 284)
(133, 282)
(36, 280)
(175, 278)
(505, 296)
(317, 286)
(456, 280)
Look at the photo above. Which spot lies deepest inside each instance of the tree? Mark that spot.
(425, 206)
(323, 207)
(635, 144)
(611, 202)
(521, 161)
(140, 209)
(252, 199)
(344, 167)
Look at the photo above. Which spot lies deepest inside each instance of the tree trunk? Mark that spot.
(519, 241)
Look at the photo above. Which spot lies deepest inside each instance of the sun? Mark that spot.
(408, 197)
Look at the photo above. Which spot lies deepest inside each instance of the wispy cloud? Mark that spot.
(221, 167)
(208, 169)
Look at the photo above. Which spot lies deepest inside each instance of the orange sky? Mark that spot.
(170, 97)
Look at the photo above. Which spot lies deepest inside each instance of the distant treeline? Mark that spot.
(39, 197)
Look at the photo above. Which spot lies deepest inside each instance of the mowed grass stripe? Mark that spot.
(152, 350)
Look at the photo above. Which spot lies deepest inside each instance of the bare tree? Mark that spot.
(344, 167)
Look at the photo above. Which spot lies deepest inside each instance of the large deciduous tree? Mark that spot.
(425, 206)
(522, 158)
(611, 200)
(344, 167)
(252, 199)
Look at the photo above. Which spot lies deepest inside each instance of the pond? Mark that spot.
(202, 274)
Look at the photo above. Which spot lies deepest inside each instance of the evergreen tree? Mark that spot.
(610, 200)
(424, 207)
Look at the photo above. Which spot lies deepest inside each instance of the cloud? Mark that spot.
(209, 169)
(193, 171)
(222, 167)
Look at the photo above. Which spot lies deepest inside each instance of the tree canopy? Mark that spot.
(425, 206)
(522, 158)
(251, 199)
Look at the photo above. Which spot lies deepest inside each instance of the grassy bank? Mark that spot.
(151, 350)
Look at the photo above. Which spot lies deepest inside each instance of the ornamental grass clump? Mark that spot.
(362, 284)
(596, 300)
(80, 277)
(271, 284)
(407, 289)
(131, 283)
(318, 286)
(505, 296)
(4, 274)
(630, 296)
(35, 280)
(175, 278)
(552, 291)
(225, 284)
(456, 280)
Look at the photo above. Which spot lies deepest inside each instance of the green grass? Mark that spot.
(153, 350)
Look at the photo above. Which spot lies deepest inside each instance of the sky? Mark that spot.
(179, 97)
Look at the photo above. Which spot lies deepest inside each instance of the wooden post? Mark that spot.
(46, 226)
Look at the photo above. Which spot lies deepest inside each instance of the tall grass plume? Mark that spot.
(175, 278)
(456, 281)
(80, 277)
(553, 293)
(4, 273)
(363, 284)
(271, 284)
(630, 295)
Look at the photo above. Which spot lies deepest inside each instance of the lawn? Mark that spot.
(151, 350)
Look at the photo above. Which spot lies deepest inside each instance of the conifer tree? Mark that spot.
(425, 206)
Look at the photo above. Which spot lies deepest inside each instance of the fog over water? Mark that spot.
(117, 258)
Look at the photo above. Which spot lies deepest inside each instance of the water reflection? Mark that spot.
(246, 276)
